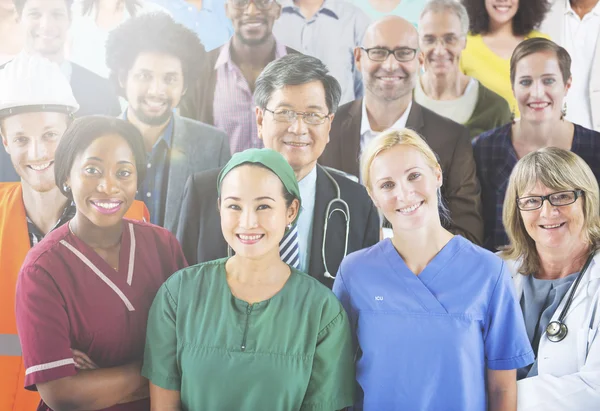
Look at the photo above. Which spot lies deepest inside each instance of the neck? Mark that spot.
(58, 57)
(558, 263)
(448, 86)
(304, 171)
(383, 114)
(500, 30)
(583, 7)
(555, 133)
(109, 13)
(94, 236)
(421, 246)
(309, 7)
(251, 271)
(258, 55)
(150, 133)
(44, 209)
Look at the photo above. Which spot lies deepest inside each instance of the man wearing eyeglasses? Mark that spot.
(389, 65)
(296, 99)
(223, 94)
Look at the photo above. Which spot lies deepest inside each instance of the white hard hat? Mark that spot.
(32, 83)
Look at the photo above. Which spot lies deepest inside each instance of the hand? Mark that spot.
(82, 361)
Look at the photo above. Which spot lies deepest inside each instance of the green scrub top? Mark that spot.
(291, 352)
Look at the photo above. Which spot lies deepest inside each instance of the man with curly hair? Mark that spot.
(575, 25)
(153, 61)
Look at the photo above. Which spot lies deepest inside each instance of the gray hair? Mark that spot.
(452, 6)
(292, 70)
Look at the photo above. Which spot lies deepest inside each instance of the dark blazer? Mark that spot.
(197, 103)
(200, 235)
(449, 140)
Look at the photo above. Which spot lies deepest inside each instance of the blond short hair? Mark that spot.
(558, 170)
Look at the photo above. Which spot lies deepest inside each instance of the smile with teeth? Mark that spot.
(502, 9)
(538, 105)
(254, 237)
(41, 167)
(106, 205)
(296, 144)
(549, 227)
(410, 209)
(155, 104)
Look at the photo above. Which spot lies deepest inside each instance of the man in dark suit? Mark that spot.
(296, 100)
(389, 65)
(46, 24)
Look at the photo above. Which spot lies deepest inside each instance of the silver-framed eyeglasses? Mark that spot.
(289, 116)
(401, 54)
(445, 40)
(559, 199)
(260, 4)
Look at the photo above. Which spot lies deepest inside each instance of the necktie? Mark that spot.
(289, 249)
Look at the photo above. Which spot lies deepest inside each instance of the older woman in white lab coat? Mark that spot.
(551, 215)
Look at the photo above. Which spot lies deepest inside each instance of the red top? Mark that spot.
(69, 297)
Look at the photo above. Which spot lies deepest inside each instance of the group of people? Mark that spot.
(248, 228)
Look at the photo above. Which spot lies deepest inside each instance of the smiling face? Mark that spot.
(31, 140)
(154, 87)
(46, 23)
(103, 181)
(404, 187)
(441, 42)
(254, 213)
(301, 144)
(251, 25)
(553, 227)
(539, 87)
(501, 11)
(389, 80)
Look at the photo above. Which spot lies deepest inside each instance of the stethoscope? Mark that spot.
(345, 210)
(557, 330)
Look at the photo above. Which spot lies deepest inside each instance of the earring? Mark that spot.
(512, 115)
(289, 226)
(563, 112)
(66, 188)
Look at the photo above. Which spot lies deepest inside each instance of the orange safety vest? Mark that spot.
(14, 245)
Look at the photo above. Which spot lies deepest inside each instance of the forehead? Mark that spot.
(157, 62)
(538, 188)
(543, 62)
(391, 34)
(250, 181)
(300, 97)
(110, 147)
(33, 123)
(46, 5)
(439, 22)
(396, 161)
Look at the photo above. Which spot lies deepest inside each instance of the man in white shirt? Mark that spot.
(575, 25)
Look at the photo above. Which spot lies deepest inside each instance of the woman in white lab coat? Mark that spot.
(551, 215)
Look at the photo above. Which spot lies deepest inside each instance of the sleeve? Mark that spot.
(161, 366)
(506, 343)
(44, 328)
(331, 384)
(462, 191)
(188, 229)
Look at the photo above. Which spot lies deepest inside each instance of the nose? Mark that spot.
(298, 126)
(38, 150)
(390, 63)
(404, 190)
(439, 47)
(44, 21)
(156, 87)
(108, 184)
(248, 218)
(251, 9)
(548, 210)
(537, 90)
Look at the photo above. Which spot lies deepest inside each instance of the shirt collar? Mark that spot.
(167, 134)
(329, 7)
(225, 59)
(569, 10)
(308, 184)
(366, 126)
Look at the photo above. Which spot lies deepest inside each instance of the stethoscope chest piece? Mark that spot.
(556, 331)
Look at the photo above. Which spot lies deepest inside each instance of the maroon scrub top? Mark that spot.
(69, 297)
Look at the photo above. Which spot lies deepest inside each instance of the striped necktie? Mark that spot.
(289, 249)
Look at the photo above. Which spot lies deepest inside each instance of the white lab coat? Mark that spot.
(568, 371)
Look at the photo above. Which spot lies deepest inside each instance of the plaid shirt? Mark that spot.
(233, 104)
(35, 235)
(496, 157)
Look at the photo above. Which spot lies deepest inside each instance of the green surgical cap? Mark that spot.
(268, 158)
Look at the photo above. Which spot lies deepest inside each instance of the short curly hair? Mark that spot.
(529, 16)
(155, 32)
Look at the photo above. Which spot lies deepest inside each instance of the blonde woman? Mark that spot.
(434, 316)
(551, 217)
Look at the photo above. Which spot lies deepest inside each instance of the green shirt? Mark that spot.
(291, 352)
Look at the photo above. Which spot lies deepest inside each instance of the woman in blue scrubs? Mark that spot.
(434, 317)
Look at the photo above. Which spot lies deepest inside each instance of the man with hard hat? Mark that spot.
(36, 107)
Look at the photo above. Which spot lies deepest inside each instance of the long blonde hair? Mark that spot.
(558, 170)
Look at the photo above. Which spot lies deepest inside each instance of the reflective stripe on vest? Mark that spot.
(10, 345)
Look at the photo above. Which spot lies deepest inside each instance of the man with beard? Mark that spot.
(389, 65)
(152, 69)
(223, 96)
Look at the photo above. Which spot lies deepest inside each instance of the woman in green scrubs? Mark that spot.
(249, 332)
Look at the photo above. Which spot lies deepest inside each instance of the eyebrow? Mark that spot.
(311, 107)
(256, 199)
(102, 161)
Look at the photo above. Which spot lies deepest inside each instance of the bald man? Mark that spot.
(388, 62)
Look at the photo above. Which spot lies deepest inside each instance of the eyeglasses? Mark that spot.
(381, 54)
(289, 116)
(243, 4)
(559, 199)
(446, 40)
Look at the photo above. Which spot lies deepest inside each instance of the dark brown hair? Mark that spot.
(540, 45)
(529, 16)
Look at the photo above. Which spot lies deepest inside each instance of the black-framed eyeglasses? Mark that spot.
(401, 54)
(260, 4)
(559, 199)
(289, 116)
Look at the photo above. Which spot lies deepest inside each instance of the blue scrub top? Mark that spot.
(425, 341)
